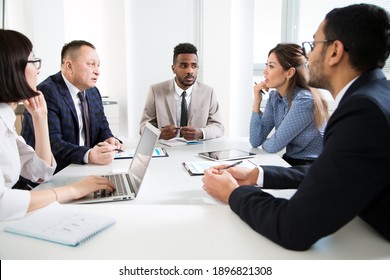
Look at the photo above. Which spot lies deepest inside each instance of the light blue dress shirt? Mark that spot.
(295, 129)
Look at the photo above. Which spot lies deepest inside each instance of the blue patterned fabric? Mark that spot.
(295, 129)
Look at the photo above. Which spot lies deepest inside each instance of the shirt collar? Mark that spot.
(342, 92)
(179, 90)
(72, 89)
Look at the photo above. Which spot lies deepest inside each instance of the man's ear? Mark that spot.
(173, 69)
(68, 66)
(337, 52)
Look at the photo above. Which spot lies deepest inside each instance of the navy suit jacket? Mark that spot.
(350, 178)
(63, 121)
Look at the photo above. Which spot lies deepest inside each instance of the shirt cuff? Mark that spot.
(86, 156)
(41, 172)
(204, 134)
(260, 178)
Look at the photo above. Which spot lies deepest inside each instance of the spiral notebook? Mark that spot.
(59, 224)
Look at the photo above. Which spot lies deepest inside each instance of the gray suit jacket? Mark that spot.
(160, 109)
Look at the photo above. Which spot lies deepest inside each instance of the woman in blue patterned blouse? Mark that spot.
(297, 112)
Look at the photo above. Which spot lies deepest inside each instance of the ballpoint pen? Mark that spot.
(231, 165)
(262, 91)
(118, 150)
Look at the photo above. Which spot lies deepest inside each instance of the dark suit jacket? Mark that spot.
(350, 178)
(63, 121)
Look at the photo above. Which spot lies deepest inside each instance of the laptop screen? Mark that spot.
(142, 155)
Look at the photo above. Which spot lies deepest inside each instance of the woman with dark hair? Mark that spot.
(297, 112)
(18, 79)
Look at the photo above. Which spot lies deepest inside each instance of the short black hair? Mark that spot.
(364, 29)
(15, 49)
(184, 48)
(72, 47)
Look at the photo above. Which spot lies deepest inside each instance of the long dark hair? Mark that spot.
(291, 56)
(15, 49)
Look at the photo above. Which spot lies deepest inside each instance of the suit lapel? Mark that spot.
(64, 91)
(92, 113)
(195, 101)
(170, 101)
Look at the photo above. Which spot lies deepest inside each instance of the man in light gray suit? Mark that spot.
(183, 106)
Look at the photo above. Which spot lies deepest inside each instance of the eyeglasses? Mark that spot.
(308, 46)
(37, 62)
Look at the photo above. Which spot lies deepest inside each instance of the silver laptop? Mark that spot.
(128, 184)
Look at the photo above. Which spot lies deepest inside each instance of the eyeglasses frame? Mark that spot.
(312, 45)
(35, 61)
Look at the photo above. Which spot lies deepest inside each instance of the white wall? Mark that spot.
(45, 29)
(154, 28)
(228, 59)
(135, 41)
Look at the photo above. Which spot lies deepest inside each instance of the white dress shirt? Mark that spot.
(73, 92)
(17, 158)
(179, 91)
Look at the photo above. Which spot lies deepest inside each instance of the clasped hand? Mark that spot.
(188, 132)
(221, 183)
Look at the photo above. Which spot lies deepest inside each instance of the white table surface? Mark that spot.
(174, 218)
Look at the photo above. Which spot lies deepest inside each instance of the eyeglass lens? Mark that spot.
(36, 62)
(307, 48)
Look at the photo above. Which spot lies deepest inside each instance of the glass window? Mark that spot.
(267, 32)
(293, 21)
(311, 14)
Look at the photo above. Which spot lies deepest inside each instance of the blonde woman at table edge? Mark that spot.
(18, 79)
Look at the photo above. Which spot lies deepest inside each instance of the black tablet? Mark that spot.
(230, 154)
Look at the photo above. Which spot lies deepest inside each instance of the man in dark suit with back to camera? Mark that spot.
(79, 132)
(351, 176)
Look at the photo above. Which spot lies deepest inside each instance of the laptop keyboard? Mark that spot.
(118, 181)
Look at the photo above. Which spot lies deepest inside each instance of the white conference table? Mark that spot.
(173, 218)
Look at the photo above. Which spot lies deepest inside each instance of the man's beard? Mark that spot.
(317, 78)
(184, 82)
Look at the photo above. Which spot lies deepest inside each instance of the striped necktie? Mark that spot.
(84, 115)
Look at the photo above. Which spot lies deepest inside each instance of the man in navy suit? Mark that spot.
(351, 176)
(68, 138)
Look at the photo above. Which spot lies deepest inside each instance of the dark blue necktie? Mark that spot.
(84, 115)
(184, 111)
